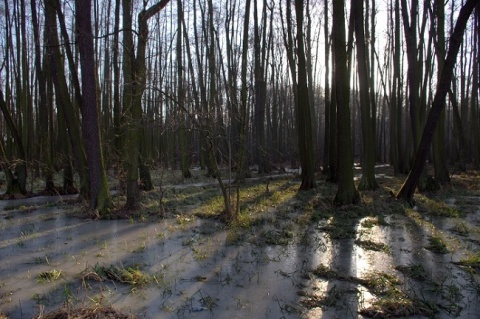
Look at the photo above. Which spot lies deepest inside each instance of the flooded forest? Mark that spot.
(239, 159)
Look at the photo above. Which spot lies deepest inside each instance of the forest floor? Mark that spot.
(289, 255)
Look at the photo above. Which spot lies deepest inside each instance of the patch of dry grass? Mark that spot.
(85, 313)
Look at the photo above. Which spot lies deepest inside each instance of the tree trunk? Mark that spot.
(475, 94)
(242, 112)
(303, 109)
(184, 158)
(367, 181)
(346, 191)
(260, 93)
(439, 153)
(99, 196)
(43, 126)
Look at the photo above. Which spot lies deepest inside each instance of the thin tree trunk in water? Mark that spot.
(242, 113)
(458, 130)
(346, 191)
(408, 189)
(43, 134)
(439, 153)
(304, 116)
(398, 158)
(326, 151)
(131, 153)
(26, 105)
(184, 162)
(260, 94)
(99, 195)
(117, 142)
(475, 94)
(367, 181)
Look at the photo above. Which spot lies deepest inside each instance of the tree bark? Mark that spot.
(367, 181)
(346, 191)
(182, 130)
(439, 153)
(242, 112)
(303, 109)
(99, 196)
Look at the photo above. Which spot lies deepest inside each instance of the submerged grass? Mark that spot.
(391, 300)
(132, 275)
(437, 245)
(437, 207)
(472, 262)
(399, 305)
(49, 276)
(414, 271)
(328, 299)
(85, 313)
(461, 229)
(371, 245)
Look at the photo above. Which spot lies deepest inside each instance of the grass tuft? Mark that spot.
(49, 276)
(414, 271)
(371, 245)
(126, 275)
(437, 245)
